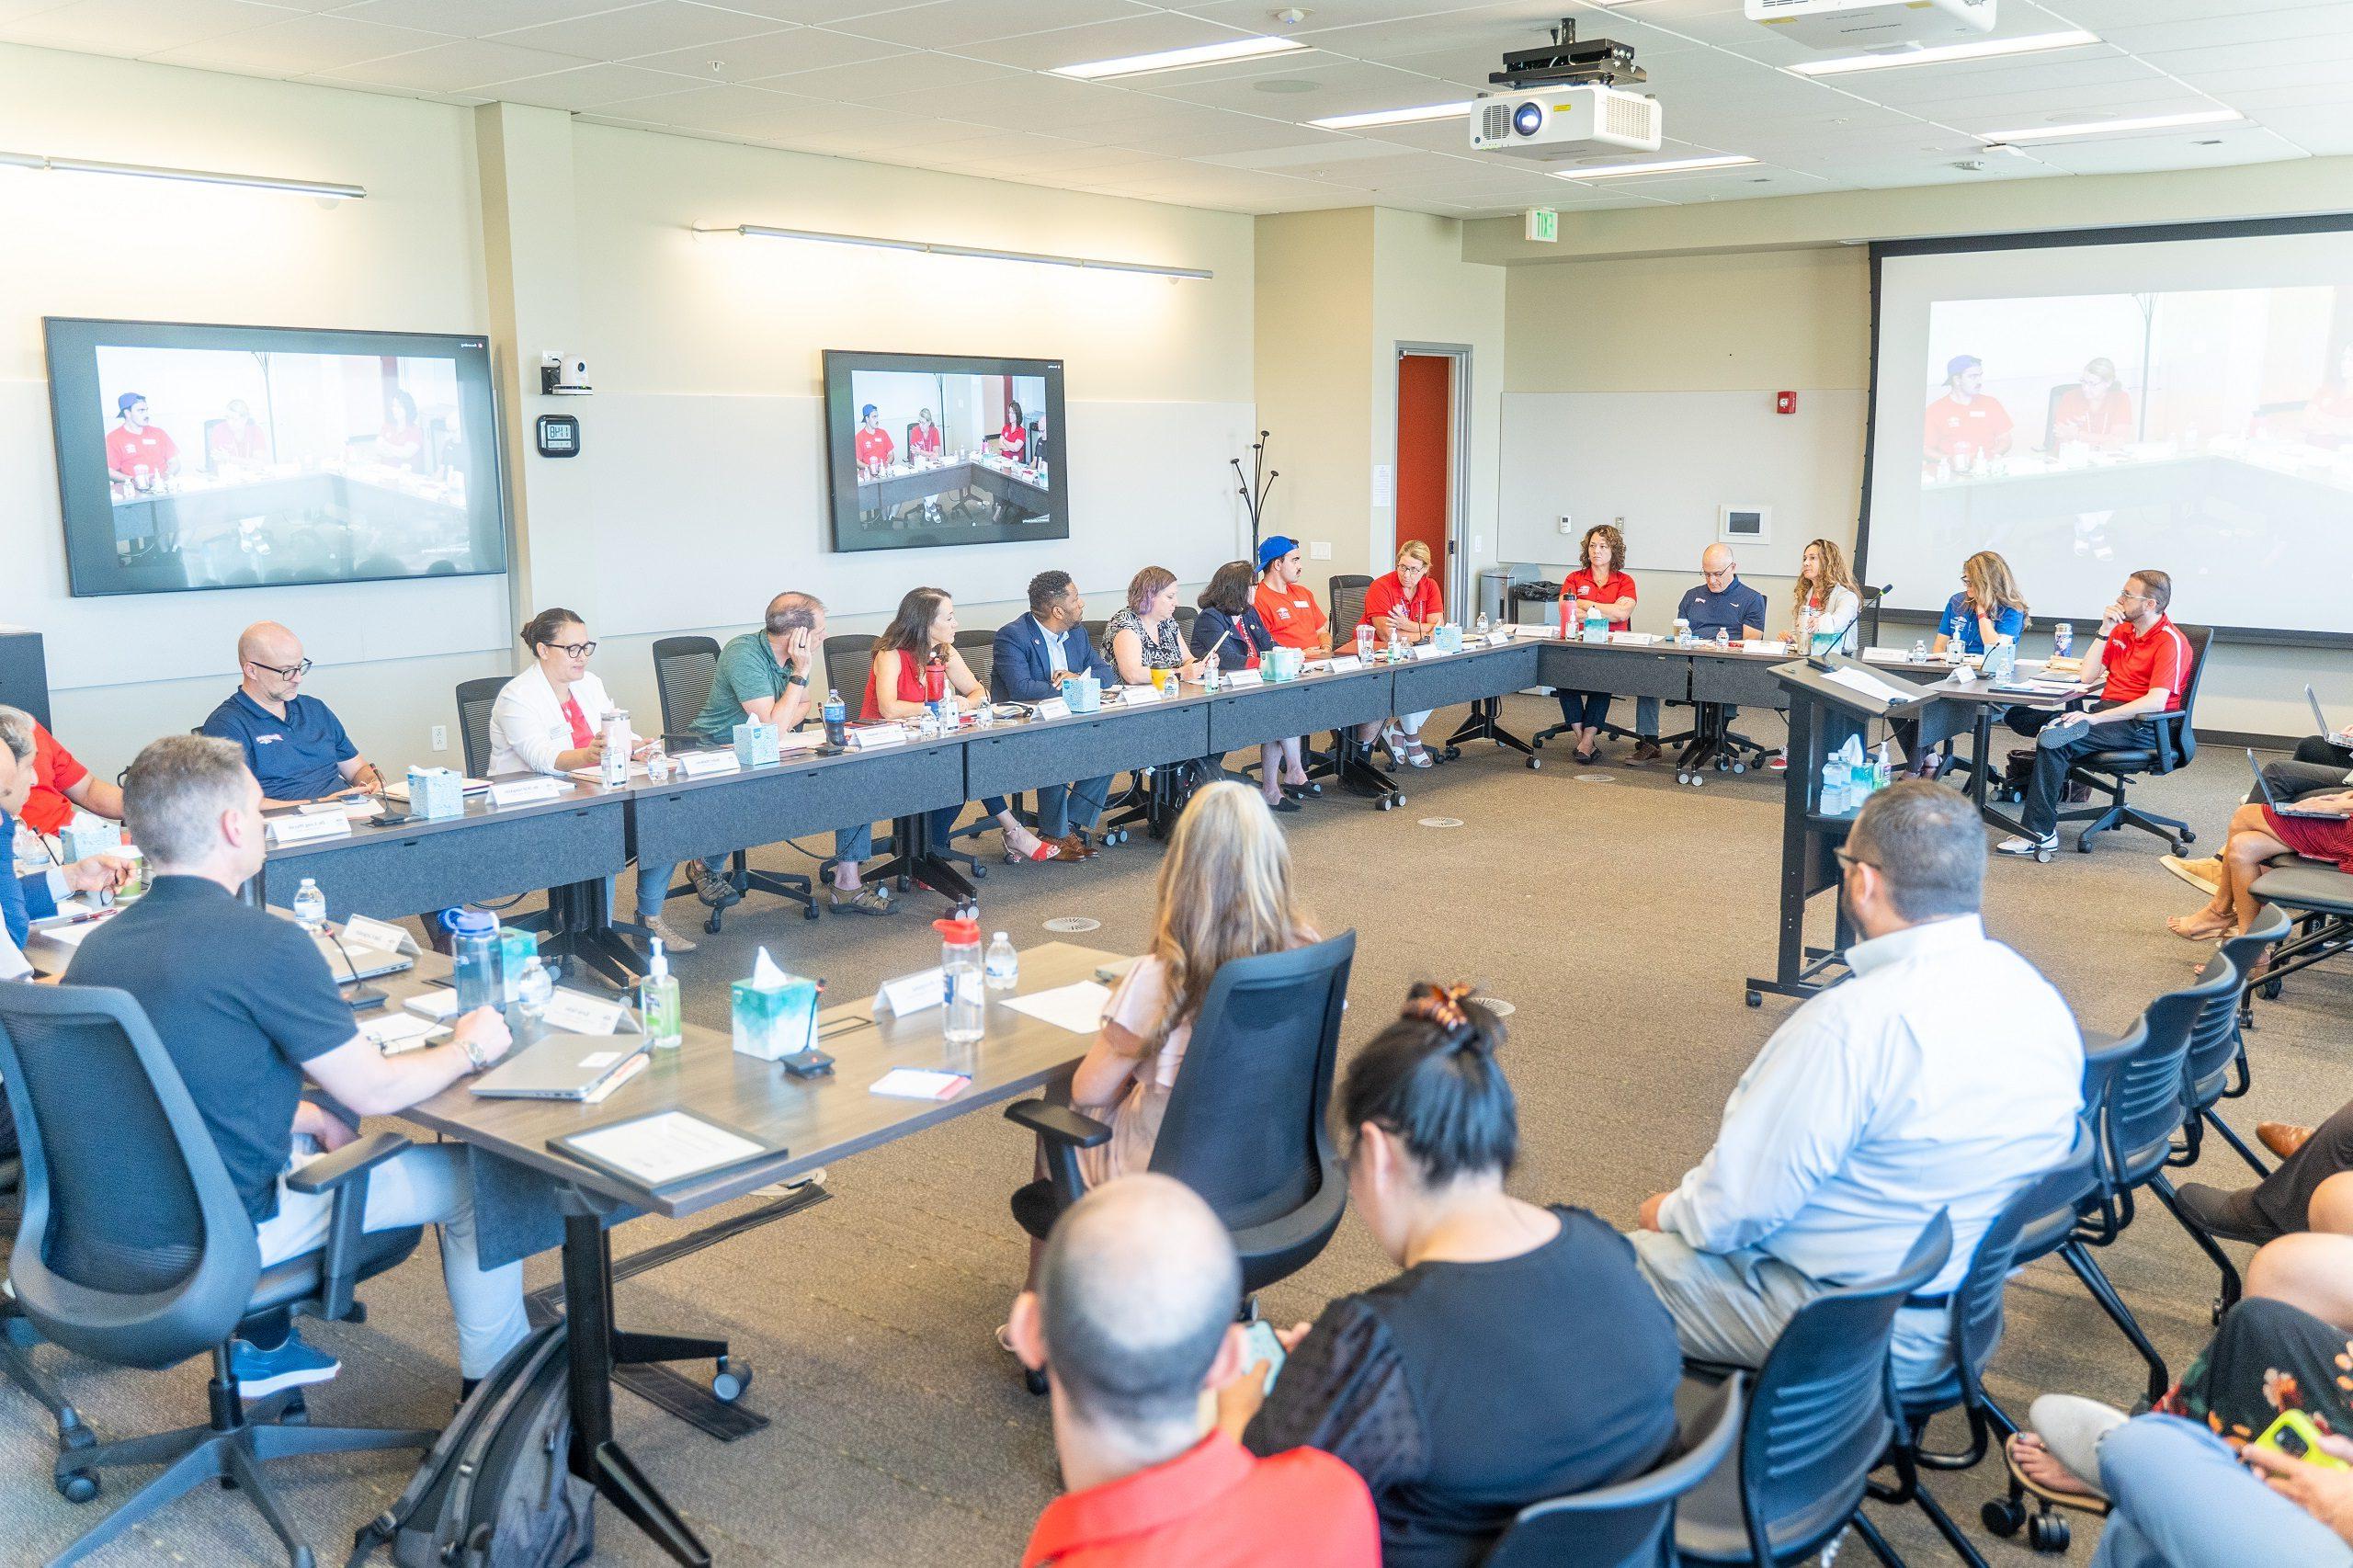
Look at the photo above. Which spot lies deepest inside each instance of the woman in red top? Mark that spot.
(1403, 608)
(2258, 834)
(1013, 441)
(1598, 584)
(896, 688)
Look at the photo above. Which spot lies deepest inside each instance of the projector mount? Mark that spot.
(1567, 62)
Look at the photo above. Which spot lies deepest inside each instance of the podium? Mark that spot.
(1833, 699)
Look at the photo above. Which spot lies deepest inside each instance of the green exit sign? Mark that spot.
(1543, 225)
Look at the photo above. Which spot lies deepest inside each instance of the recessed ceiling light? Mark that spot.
(1179, 58)
(2112, 127)
(1985, 48)
(1393, 117)
(1657, 166)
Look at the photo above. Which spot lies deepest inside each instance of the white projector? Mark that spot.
(1566, 122)
(1852, 27)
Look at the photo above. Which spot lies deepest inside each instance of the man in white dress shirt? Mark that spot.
(1943, 1074)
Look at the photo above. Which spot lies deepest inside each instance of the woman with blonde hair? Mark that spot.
(1144, 636)
(1826, 602)
(1988, 606)
(1403, 608)
(1224, 892)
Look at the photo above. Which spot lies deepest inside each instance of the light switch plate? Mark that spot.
(1319, 551)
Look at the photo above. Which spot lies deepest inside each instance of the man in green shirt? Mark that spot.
(764, 676)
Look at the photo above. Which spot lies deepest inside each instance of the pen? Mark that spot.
(86, 919)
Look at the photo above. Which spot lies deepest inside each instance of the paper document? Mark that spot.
(1864, 684)
(672, 1146)
(396, 1032)
(1077, 1007)
(916, 1084)
(438, 1003)
(576, 1012)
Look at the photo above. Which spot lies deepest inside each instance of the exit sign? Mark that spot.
(1543, 225)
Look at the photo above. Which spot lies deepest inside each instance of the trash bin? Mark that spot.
(1495, 593)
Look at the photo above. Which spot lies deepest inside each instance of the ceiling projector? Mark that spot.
(1860, 26)
(1567, 102)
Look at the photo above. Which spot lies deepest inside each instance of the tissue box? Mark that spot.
(1449, 639)
(756, 745)
(774, 1021)
(86, 835)
(435, 792)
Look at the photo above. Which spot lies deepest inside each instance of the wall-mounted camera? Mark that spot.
(559, 376)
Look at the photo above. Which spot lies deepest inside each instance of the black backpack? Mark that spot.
(497, 1490)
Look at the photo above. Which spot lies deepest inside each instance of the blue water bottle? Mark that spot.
(473, 952)
(837, 721)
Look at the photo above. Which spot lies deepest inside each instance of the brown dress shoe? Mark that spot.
(2282, 1138)
(1646, 750)
(1073, 847)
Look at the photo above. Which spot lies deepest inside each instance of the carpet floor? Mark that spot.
(1619, 912)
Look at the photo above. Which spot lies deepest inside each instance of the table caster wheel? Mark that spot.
(728, 1384)
(1756, 999)
(77, 1485)
(1534, 763)
(2004, 1517)
(2047, 1533)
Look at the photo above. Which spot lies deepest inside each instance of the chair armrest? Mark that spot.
(2169, 743)
(1058, 1124)
(329, 1172)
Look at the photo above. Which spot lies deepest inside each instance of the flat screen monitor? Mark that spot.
(233, 457)
(930, 450)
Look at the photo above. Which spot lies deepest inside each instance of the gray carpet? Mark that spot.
(1618, 912)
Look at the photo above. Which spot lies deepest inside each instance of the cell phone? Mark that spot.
(2294, 1434)
(1259, 1344)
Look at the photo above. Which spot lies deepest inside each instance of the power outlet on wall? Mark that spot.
(1320, 549)
(441, 737)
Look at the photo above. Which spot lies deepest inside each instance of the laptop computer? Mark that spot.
(351, 963)
(560, 1067)
(2285, 807)
(2319, 718)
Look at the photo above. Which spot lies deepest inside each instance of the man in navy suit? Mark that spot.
(1032, 655)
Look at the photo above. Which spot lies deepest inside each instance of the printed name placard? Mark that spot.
(526, 791)
(706, 764)
(1053, 708)
(299, 829)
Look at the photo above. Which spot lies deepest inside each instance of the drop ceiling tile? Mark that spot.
(2336, 43)
(1046, 103)
(2141, 155)
(953, 24)
(2304, 74)
(16, 10)
(2101, 16)
(134, 28)
(472, 18)
(1309, 88)
(2119, 100)
(585, 86)
(299, 45)
(2253, 23)
(726, 109)
(2058, 75)
(811, 13)
(763, 57)
(646, 28)
(916, 71)
(1147, 34)
(2324, 129)
(1325, 15)
(452, 67)
(1239, 134)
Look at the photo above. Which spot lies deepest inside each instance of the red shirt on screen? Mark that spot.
(1954, 427)
(2136, 663)
(55, 771)
(873, 445)
(128, 451)
(1582, 585)
(240, 439)
(2110, 423)
(923, 438)
(1293, 618)
(1388, 593)
(1215, 1504)
(1013, 441)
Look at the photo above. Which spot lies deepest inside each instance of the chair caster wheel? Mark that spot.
(1534, 763)
(1757, 998)
(78, 1485)
(1454, 754)
(295, 1412)
(2270, 991)
(2047, 1533)
(980, 873)
(710, 924)
(2188, 837)
(1034, 1381)
(729, 1381)
(1740, 768)
(2004, 1517)
(810, 912)
(2042, 857)
(1383, 803)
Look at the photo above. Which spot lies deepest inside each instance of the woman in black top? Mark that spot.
(1518, 1357)
(1230, 625)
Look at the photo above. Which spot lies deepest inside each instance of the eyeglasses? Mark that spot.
(2142, 598)
(573, 650)
(284, 672)
(1844, 858)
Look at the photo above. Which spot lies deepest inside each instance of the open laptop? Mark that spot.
(561, 1067)
(2285, 807)
(351, 963)
(2319, 718)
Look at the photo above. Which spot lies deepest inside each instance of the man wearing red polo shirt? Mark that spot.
(2148, 661)
(1132, 1319)
(872, 445)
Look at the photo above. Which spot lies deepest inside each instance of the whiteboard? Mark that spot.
(1666, 461)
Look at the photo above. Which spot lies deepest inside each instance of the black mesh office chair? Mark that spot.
(1098, 637)
(1186, 616)
(1346, 594)
(149, 1272)
(1632, 1523)
(684, 669)
(475, 700)
(1247, 1126)
(2107, 772)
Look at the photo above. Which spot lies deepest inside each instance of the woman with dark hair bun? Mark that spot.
(1518, 1357)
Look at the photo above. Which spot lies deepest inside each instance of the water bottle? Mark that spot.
(1919, 650)
(615, 772)
(533, 989)
(1364, 645)
(984, 715)
(2063, 638)
(1480, 625)
(473, 953)
(309, 907)
(965, 1001)
(1834, 788)
(837, 721)
(1003, 965)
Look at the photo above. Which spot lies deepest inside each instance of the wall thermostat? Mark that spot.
(559, 436)
(1744, 525)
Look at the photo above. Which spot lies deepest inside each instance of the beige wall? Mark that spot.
(1315, 387)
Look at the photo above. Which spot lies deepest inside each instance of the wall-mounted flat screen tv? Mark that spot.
(236, 457)
(931, 450)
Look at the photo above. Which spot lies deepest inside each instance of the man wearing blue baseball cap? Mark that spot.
(1293, 617)
(873, 444)
(1965, 425)
(137, 452)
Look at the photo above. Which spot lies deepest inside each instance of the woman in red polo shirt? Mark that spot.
(1403, 608)
(1013, 441)
(1597, 585)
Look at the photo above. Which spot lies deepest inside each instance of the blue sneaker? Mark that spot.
(263, 1372)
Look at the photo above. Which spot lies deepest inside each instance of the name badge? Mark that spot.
(300, 829)
(1344, 662)
(912, 992)
(525, 791)
(1053, 708)
(706, 764)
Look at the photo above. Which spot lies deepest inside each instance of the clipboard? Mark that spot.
(728, 1147)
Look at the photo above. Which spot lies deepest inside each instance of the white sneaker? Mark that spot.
(2205, 875)
(2027, 845)
(673, 939)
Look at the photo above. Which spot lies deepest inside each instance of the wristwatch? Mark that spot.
(796, 679)
(473, 1052)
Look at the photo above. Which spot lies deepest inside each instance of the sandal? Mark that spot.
(2181, 926)
(1046, 850)
(2086, 1502)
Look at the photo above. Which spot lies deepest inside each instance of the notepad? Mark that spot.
(1077, 1007)
(918, 1083)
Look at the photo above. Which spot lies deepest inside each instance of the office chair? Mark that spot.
(2107, 772)
(475, 700)
(150, 1272)
(1822, 1416)
(2218, 1046)
(1186, 616)
(2319, 899)
(2051, 414)
(684, 668)
(849, 659)
(1097, 637)
(1630, 1524)
(1346, 594)
(1247, 1125)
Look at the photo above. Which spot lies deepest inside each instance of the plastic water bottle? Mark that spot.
(1919, 650)
(309, 907)
(473, 952)
(837, 721)
(533, 991)
(964, 1009)
(616, 748)
(1480, 625)
(1003, 965)
(1834, 788)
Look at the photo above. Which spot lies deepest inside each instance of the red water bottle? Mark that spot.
(935, 677)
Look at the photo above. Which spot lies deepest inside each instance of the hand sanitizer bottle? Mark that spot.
(657, 1000)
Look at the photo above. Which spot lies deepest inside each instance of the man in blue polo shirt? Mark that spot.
(294, 744)
(1721, 603)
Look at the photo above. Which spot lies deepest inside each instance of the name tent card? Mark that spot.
(1343, 664)
(708, 764)
(526, 791)
(912, 992)
(1053, 708)
(302, 829)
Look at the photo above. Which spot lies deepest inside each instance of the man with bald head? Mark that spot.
(295, 745)
(1132, 1318)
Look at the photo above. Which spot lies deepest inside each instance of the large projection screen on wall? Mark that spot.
(2090, 403)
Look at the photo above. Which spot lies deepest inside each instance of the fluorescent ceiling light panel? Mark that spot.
(324, 189)
(1393, 117)
(1179, 58)
(2110, 127)
(940, 247)
(1985, 48)
(1657, 166)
